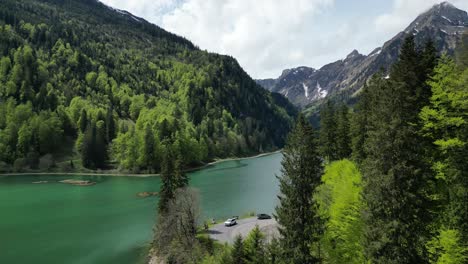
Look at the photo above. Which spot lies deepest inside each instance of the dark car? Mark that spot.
(263, 216)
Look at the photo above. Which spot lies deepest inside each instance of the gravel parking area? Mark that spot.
(227, 234)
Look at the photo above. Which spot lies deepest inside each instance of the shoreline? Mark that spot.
(139, 175)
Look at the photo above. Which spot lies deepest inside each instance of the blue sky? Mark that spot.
(268, 36)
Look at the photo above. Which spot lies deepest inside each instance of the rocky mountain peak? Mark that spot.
(440, 15)
(444, 24)
(353, 54)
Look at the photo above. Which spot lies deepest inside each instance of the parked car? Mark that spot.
(263, 216)
(230, 222)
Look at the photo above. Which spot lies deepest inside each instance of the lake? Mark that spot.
(107, 222)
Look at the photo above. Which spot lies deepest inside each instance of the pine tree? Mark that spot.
(328, 132)
(83, 121)
(87, 148)
(100, 146)
(343, 137)
(273, 251)
(359, 123)
(149, 146)
(166, 192)
(180, 177)
(297, 213)
(110, 124)
(394, 169)
(255, 247)
(238, 253)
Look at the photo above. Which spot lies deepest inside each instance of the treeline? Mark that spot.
(385, 182)
(80, 81)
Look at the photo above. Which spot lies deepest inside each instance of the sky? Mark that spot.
(268, 36)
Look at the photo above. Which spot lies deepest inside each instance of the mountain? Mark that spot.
(444, 24)
(82, 83)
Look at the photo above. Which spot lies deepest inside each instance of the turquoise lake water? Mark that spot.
(107, 223)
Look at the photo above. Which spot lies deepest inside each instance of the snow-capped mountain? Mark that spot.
(444, 24)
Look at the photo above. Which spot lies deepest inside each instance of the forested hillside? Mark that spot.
(83, 83)
(384, 183)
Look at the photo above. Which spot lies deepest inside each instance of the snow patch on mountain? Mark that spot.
(321, 93)
(444, 17)
(306, 90)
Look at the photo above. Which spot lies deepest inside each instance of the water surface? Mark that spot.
(107, 222)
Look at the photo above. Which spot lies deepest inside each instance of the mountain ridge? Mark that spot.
(443, 23)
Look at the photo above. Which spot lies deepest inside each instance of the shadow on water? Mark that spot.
(239, 164)
(135, 255)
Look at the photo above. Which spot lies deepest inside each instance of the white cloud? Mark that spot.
(264, 35)
(405, 11)
(267, 36)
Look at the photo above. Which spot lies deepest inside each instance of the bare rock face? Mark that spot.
(444, 24)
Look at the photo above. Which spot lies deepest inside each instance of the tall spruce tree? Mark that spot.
(180, 177)
(255, 247)
(394, 169)
(166, 192)
(149, 150)
(173, 176)
(83, 121)
(297, 213)
(328, 132)
(359, 122)
(343, 136)
(238, 251)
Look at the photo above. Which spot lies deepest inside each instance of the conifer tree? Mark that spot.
(110, 124)
(445, 124)
(328, 132)
(180, 177)
(255, 247)
(395, 172)
(87, 147)
(238, 252)
(83, 121)
(343, 138)
(167, 182)
(149, 149)
(359, 122)
(297, 212)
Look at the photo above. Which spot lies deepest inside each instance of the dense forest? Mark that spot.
(84, 85)
(385, 182)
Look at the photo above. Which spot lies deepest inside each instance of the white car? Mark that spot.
(230, 222)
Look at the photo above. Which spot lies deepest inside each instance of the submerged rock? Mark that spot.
(78, 182)
(146, 194)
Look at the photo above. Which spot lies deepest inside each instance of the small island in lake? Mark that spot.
(147, 194)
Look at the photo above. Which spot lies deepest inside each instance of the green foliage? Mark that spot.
(95, 64)
(328, 132)
(359, 122)
(301, 225)
(341, 204)
(445, 123)
(255, 247)
(447, 248)
(396, 173)
(335, 137)
(238, 251)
